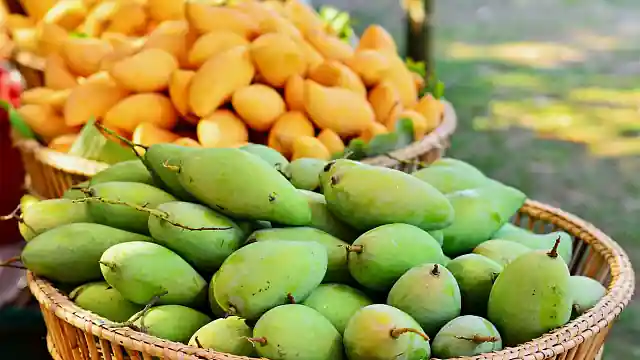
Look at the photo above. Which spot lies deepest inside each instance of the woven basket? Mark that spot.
(76, 334)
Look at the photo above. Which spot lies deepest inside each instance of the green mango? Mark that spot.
(323, 219)
(229, 335)
(172, 322)
(249, 226)
(438, 235)
(27, 200)
(586, 293)
(159, 159)
(475, 275)
(530, 297)
(242, 185)
(479, 213)
(446, 260)
(501, 251)
(432, 304)
(48, 214)
(380, 256)
(103, 300)
(262, 275)
(271, 156)
(337, 269)
(293, 332)
(450, 175)
(366, 196)
(382, 332)
(540, 241)
(205, 250)
(74, 192)
(141, 271)
(510, 230)
(466, 336)
(305, 173)
(213, 304)
(70, 253)
(334, 166)
(126, 171)
(337, 302)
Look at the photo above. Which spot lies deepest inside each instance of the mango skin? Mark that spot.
(77, 248)
(271, 156)
(259, 276)
(323, 219)
(48, 214)
(438, 235)
(155, 158)
(205, 250)
(266, 194)
(173, 322)
(366, 197)
(447, 343)
(125, 171)
(432, 304)
(73, 193)
(142, 270)
(296, 332)
(450, 175)
(368, 335)
(537, 241)
(475, 275)
(103, 300)
(305, 173)
(530, 297)
(337, 302)
(388, 252)
(213, 304)
(228, 335)
(501, 251)
(122, 216)
(586, 293)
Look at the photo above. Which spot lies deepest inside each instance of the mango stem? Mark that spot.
(355, 248)
(436, 270)
(261, 340)
(395, 333)
(129, 143)
(12, 215)
(198, 343)
(9, 263)
(291, 299)
(141, 314)
(554, 251)
(479, 339)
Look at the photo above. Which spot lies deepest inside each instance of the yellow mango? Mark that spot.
(335, 73)
(312, 56)
(37, 9)
(98, 18)
(222, 129)
(257, 10)
(370, 65)
(331, 141)
(26, 39)
(179, 90)
(211, 44)
(286, 129)
(258, 105)
(330, 47)
(18, 21)
(294, 93)
(91, 100)
(309, 147)
(56, 74)
(185, 141)
(303, 16)
(161, 10)
(83, 55)
(147, 71)
(374, 129)
(68, 14)
(51, 37)
(278, 24)
(101, 77)
(148, 134)
(138, 108)
(419, 122)
(62, 143)
(218, 78)
(130, 18)
(44, 121)
(207, 18)
(341, 110)
(277, 58)
(375, 37)
(175, 37)
(385, 101)
(402, 80)
(121, 53)
(45, 96)
(418, 80)
(431, 109)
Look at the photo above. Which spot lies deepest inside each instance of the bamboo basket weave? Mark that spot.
(77, 334)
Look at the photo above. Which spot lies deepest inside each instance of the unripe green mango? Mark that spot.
(45, 215)
(229, 335)
(382, 332)
(450, 175)
(102, 299)
(159, 158)
(323, 219)
(475, 275)
(337, 302)
(586, 292)
(123, 216)
(125, 171)
(213, 303)
(271, 156)
(205, 250)
(27, 200)
(70, 253)
(266, 274)
(74, 192)
(509, 230)
(334, 166)
(438, 235)
(295, 332)
(305, 173)
(466, 336)
(381, 255)
(242, 185)
(172, 322)
(366, 196)
(141, 271)
(530, 297)
(501, 251)
(434, 302)
(538, 241)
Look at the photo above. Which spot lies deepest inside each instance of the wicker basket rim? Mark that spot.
(559, 341)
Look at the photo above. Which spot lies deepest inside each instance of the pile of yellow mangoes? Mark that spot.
(201, 74)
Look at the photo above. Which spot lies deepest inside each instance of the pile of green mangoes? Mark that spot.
(308, 260)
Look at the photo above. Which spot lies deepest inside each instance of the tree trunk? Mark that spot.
(419, 30)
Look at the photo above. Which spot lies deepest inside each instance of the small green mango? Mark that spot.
(337, 269)
(229, 335)
(475, 275)
(501, 251)
(70, 253)
(293, 332)
(205, 250)
(103, 300)
(271, 156)
(323, 219)
(337, 302)
(540, 241)
(510, 230)
(141, 271)
(450, 175)
(382, 332)
(305, 173)
(262, 275)
(438, 235)
(125, 171)
(45, 215)
(380, 256)
(242, 185)
(586, 293)
(74, 192)
(530, 297)
(122, 216)
(159, 159)
(366, 196)
(27, 200)
(172, 322)
(432, 304)
(466, 336)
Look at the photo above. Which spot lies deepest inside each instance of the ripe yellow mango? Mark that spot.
(287, 128)
(279, 24)
(374, 129)
(68, 14)
(62, 143)
(419, 123)
(50, 38)
(303, 16)
(101, 77)
(313, 57)
(255, 9)
(207, 18)
(18, 21)
(258, 105)
(375, 37)
(138, 108)
(45, 96)
(222, 129)
(185, 141)
(418, 80)
(330, 47)
(211, 44)
(335, 74)
(402, 79)
(119, 53)
(385, 101)
(431, 109)
(175, 37)
(147, 71)
(83, 55)
(161, 10)
(331, 141)
(91, 100)
(341, 110)
(219, 78)
(130, 18)
(309, 147)
(370, 65)
(148, 134)
(294, 93)
(44, 121)
(98, 18)
(56, 74)
(179, 90)
(277, 58)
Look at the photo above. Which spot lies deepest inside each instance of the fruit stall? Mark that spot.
(254, 180)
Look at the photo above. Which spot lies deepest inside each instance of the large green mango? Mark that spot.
(45, 215)
(102, 299)
(450, 175)
(270, 155)
(159, 158)
(323, 219)
(126, 171)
